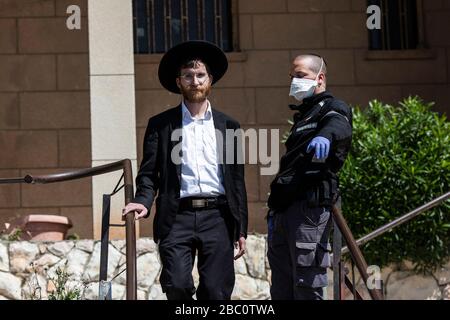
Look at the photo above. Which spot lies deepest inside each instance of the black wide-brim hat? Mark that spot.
(207, 52)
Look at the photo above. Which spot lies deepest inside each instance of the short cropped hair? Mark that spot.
(315, 62)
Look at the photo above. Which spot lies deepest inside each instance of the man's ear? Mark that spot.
(210, 79)
(178, 83)
(322, 80)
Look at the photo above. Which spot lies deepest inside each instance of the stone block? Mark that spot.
(10, 286)
(114, 118)
(245, 32)
(255, 256)
(146, 76)
(267, 69)
(9, 111)
(51, 35)
(272, 106)
(8, 40)
(361, 95)
(288, 31)
(27, 8)
(359, 5)
(435, 24)
(346, 30)
(61, 194)
(27, 73)
(67, 110)
(262, 6)
(21, 255)
(73, 71)
(4, 257)
(111, 31)
(235, 76)
(9, 193)
(236, 103)
(151, 102)
(28, 149)
(75, 148)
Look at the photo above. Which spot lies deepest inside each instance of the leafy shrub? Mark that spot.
(63, 291)
(400, 160)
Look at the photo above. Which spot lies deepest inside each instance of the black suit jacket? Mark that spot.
(159, 175)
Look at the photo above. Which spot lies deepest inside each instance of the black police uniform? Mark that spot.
(301, 197)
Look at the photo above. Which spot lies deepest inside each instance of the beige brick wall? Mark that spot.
(44, 110)
(44, 87)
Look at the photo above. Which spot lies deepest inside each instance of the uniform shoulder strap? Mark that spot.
(331, 106)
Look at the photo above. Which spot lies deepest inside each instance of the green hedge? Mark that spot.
(400, 159)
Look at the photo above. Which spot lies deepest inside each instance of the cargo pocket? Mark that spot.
(323, 255)
(306, 252)
(314, 226)
(312, 262)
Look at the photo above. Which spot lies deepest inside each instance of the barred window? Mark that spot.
(160, 24)
(399, 25)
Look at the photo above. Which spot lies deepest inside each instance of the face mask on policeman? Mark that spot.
(302, 88)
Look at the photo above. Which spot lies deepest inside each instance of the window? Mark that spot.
(160, 24)
(399, 25)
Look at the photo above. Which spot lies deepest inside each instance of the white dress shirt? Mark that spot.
(200, 171)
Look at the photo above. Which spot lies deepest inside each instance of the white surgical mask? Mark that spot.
(304, 88)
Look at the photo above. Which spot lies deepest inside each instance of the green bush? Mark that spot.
(400, 159)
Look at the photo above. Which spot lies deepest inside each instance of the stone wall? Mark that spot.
(44, 109)
(25, 266)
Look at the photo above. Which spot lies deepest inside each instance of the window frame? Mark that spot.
(233, 28)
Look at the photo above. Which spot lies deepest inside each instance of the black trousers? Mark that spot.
(298, 252)
(203, 232)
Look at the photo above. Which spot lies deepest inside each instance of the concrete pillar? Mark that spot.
(113, 121)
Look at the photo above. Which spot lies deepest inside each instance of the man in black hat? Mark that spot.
(306, 185)
(202, 204)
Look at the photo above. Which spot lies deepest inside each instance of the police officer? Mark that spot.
(306, 185)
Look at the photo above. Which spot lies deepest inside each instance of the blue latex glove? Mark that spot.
(321, 145)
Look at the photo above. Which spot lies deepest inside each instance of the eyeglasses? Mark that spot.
(189, 77)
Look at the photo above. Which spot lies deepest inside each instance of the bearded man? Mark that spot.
(201, 203)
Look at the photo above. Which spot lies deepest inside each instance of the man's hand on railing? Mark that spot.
(139, 209)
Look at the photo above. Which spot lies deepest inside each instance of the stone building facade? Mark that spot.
(45, 112)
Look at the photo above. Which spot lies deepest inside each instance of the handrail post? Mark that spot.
(337, 265)
(360, 262)
(130, 234)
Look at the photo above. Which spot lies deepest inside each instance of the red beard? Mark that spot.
(196, 95)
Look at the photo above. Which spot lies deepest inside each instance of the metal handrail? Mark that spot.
(125, 165)
(399, 221)
(356, 253)
(353, 245)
